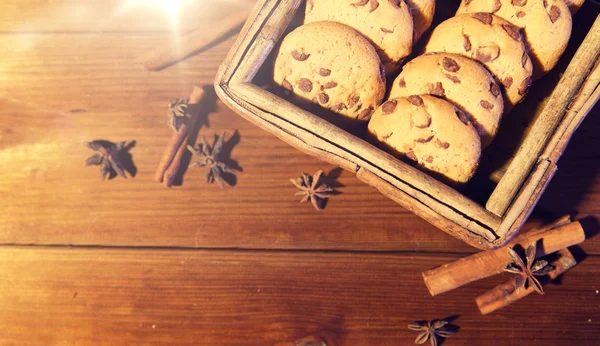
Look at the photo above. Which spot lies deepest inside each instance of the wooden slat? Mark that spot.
(18, 16)
(547, 122)
(150, 297)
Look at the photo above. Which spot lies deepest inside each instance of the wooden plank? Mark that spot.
(47, 197)
(56, 296)
(546, 123)
(19, 16)
(61, 90)
(97, 72)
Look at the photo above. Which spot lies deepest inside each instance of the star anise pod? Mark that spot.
(209, 157)
(107, 157)
(528, 269)
(177, 111)
(311, 190)
(430, 330)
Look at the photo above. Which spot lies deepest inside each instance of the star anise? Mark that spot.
(177, 110)
(209, 157)
(107, 157)
(311, 190)
(528, 269)
(430, 330)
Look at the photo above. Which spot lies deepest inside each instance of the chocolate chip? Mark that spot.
(387, 31)
(462, 116)
(494, 89)
(424, 140)
(300, 56)
(365, 114)
(520, 14)
(520, 3)
(402, 83)
(467, 43)
(389, 106)
(305, 85)
(545, 3)
(323, 98)
(485, 18)
(387, 136)
(441, 144)
(497, 6)
(421, 120)
(415, 100)
(361, 3)
(437, 89)
(429, 159)
(524, 59)
(374, 5)
(287, 85)
(524, 87)
(450, 65)
(454, 79)
(329, 85)
(395, 3)
(353, 100)
(507, 82)
(485, 104)
(338, 107)
(554, 13)
(487, 53)
(467, 2)
(324, 72)
(411, 155)
(512, 31)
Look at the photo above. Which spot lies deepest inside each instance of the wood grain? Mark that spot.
(69, 73)
(55, 296)
(76, 87)
(75, 16)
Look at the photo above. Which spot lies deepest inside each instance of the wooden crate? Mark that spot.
(554, 109)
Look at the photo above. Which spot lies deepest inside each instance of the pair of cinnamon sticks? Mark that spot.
(554, 238)
(170, 162)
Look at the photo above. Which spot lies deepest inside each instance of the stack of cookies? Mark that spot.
(445, 105)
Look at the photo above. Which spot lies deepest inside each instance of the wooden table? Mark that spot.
(129, 262)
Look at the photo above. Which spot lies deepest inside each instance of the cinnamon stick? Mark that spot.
(178, 139)
(194, 41)
(491, 262)
(171, 172)
(506, 294)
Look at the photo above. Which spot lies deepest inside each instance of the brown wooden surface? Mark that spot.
(175, 297)
(66, 79)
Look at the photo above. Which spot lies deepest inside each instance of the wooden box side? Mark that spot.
(523, 205)
(552, 115)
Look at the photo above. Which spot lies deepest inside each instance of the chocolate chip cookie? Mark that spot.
(422, 12)
(387, 24)
(458, 79)
(545, 23)
(492, 41)
(430, 131)
(333, 66)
